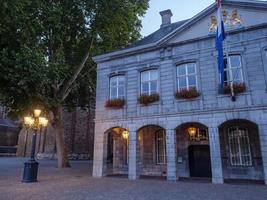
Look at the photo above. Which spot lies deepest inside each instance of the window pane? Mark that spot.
(113, 93)
(153, 86)
(235, 61)
(192, 81)
(181, 70)
(113, 81)
(182, 82)
(121, 80)
(153, 75)
(236, 75)
(145, 88)
(145, 76)
(239, 146)
(121, 92)
(191, 68)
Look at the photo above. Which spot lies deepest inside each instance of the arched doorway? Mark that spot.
(240, 150)
(152, 151)
(116, 151)
(193, 152)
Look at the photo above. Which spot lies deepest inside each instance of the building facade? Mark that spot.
(159, 109)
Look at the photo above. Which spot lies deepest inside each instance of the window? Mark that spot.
(117, 84)
(240, 154)
(160, 147)
(186, 76)
(149, 82)
(233, 69)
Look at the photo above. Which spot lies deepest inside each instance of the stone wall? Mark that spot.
(79, 137)
(8, 136)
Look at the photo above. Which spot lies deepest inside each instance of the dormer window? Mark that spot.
(149, 82)
(233, 69)
(117, 87)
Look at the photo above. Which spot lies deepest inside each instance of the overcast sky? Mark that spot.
(181, 9)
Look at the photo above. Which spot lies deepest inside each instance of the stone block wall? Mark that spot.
(79, 137)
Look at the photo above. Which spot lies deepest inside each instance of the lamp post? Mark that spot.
(34, 122)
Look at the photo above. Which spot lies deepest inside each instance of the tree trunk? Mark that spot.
(62, 157)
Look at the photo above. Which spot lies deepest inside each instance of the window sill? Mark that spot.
(229, 95)
(188, 100)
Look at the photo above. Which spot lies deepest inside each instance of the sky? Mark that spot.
(181, 9)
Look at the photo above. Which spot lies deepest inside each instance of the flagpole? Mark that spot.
(227, 55)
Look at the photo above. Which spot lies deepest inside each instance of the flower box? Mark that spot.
(145, 99)
(187, 93)
(237, 87)
(115, 103)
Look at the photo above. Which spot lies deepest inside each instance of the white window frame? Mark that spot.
(160, 139)
(149, 81)
(117, 86)
(229, 69)
(236, 159)
(186, 75)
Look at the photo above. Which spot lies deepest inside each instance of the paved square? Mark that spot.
(76, 183)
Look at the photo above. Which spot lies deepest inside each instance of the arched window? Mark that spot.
(233, 69)
(186, 76)
(240, 154)
(149, 82)
(160, 147)
(117, 84)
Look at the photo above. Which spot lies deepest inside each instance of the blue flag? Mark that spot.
(220, 36)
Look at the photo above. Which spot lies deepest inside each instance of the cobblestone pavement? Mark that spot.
(76, 183)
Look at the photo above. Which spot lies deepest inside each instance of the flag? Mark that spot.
(220, 36)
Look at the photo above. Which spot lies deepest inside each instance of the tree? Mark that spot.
(47, 48)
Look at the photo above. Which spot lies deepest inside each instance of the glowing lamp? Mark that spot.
(192, 131)
(37, 112)
(125, 135)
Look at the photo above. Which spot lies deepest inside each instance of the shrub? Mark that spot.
(187, 93)
(147, 99)
(115, 103)
(237, 87)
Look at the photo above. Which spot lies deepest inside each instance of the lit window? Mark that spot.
(117, 84)
(149, 82)
(233, 69)
(240, 154)
(186, 76)
(161, 147)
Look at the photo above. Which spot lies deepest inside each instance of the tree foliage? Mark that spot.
(44, 42)
(47, 48)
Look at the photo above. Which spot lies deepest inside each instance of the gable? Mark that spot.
(235, 18)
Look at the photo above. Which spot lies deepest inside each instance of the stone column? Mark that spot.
(171, 154)
(98, 162)
(133, 161)
(215, 155)
(263, 143)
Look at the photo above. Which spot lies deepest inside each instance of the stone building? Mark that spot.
(159, 110)
(79, 137)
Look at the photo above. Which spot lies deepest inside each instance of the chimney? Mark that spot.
(166, 16)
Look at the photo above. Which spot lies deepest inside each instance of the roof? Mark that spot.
(162, 35)
(158, 35)
(8, 123)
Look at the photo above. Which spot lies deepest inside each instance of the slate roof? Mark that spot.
(8, 123)
(157, 35)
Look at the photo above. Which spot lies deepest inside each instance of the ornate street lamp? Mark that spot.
(33, 122)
